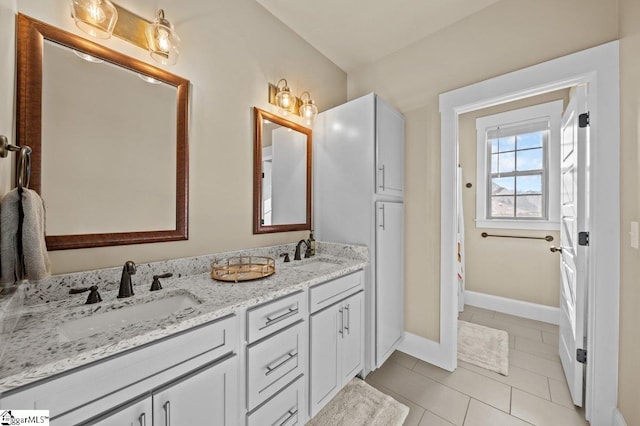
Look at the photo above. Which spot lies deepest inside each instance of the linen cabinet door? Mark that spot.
(352, 338)
(206, 397)
(389, 279)
(325, 329)
(390, 150)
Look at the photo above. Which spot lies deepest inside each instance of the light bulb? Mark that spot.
(163, 40)
(96, 13)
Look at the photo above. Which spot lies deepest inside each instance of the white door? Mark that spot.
(389, 284)
(326, 328)
(208, 397)
(352, 337)
(573, 264)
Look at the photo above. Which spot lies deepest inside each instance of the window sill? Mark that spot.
(534, 225)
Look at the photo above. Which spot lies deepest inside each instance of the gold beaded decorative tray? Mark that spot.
(242, 268)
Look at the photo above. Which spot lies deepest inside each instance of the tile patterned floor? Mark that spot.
(534, 393)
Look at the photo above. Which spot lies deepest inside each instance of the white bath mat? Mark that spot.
(360, 404)
(483, 346)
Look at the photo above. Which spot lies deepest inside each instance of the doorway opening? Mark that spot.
(599, 69)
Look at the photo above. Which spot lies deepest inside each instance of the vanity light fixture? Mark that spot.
(308, 109)
(281, 96)
(102, 18)
(95, 17)
(162, 40)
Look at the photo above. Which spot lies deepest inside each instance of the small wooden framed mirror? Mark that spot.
(281, 175)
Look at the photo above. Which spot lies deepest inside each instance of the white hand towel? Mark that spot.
(34, 263)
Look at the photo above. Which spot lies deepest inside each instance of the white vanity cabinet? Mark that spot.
(100, 390)
(336, 339)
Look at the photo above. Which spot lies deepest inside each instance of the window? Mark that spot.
(518, 168)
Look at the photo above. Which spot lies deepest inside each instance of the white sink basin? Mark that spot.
(315, 266)
(120, 318)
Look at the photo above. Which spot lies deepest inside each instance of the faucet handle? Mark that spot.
(155, 285)
(94, 296)
(286, 257)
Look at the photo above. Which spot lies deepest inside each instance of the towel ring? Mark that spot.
(23, 173)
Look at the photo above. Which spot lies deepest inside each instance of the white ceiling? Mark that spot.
(355, 32)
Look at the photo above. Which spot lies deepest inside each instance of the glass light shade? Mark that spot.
(308, 111)
(162, 40)
(285, 99)
(95, 17)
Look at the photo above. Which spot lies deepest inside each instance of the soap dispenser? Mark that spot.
(312, 244)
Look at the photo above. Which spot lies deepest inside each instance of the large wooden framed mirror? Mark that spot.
(281, 175)
(109, 140)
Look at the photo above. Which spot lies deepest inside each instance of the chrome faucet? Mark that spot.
(126, 286)
(307, 252)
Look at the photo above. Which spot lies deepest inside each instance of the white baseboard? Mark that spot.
(424, 349)
(519, 308)
(618, 420)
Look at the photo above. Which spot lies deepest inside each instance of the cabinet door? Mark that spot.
(352, 338)
(389, 279)
(326, 327)
(206, 397)
(138, 413)
(390, 150)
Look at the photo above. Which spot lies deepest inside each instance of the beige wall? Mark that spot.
(230, 50)
(507, 36)
(7, 72)
(629, 369)
(514, 268)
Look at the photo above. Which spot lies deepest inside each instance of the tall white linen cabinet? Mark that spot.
(358, 152)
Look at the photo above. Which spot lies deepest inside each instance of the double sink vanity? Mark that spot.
(198, 351)
(190, 350)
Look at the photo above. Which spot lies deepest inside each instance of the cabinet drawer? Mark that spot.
(82, 385)
(284, 409)
(323, 295)
(273, 316)
(273, 363)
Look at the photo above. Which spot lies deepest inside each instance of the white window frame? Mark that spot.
(551, 221)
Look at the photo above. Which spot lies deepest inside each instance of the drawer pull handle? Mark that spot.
(289, 357)
(291, 415)
(167, 413)
(142, 419)
(277, 318)
(341, 330)
(348, 321)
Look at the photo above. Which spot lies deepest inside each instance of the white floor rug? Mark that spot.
(483, 346)
(360, 404)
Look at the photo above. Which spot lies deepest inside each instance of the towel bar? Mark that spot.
(546, 238)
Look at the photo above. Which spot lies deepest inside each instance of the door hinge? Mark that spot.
(583, 120)
(262, 175)
(581, 356)
(583, 238)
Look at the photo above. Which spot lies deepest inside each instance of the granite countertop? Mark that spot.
(32, 347)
